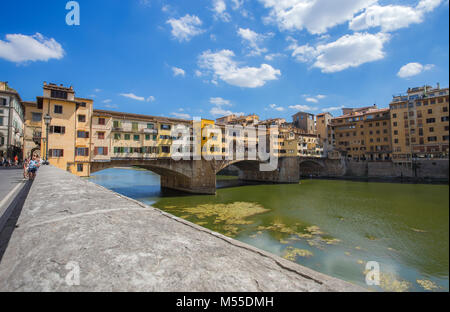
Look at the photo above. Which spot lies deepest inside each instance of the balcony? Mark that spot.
(149, 131)
(117, 129)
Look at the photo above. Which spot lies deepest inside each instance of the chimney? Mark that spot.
(438, 85)
(45, 83)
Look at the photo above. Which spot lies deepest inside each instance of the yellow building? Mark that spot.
(362, 134)
(32, 130)
(420, 124)
(69, 137)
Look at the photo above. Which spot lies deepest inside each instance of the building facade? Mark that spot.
(420, 124)
(305, 122)
(11, 123)
(362, 134)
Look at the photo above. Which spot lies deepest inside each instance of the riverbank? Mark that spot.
(119, 244)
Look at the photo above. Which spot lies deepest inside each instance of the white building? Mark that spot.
(11, 122)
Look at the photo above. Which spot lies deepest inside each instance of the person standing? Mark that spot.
(25, 168)
(33, 166)
(16, 160)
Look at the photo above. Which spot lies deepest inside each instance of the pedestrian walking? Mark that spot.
(33, 166)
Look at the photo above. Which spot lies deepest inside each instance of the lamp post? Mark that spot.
(47, 120)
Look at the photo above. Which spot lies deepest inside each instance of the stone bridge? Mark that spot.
(199, 176)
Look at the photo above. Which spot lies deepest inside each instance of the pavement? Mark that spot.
(11, 184)
(74, 235)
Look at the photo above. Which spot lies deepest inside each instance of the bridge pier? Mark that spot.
(197, 177)
(287, 171)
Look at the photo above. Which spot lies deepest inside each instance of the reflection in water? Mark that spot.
(334, 227)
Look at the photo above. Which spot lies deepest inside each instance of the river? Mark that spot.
(332, 226)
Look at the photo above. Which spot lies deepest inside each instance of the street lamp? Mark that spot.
(47, 120)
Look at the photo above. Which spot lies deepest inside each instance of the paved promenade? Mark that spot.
(123, 245)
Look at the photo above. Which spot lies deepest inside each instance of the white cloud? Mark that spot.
(186, 27)
(312, 100)
(198, 73)
(332, 109)
(413, 69)
(222, 65)
(97, 90)
(346, 52)
(218, 101)
(219, 111)
(272, 56)
(178, 71)
(253, 40)
(317, 16)
(276, 107)
(20, 48)
(392, 17)
(303, 107)
(107, 101)
(111, 106)
(133, 96)
(220, 10)
(151, 98)
(181, 115)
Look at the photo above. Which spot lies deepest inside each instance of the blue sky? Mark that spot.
(208, 58)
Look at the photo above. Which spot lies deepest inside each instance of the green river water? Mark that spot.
(332, 226)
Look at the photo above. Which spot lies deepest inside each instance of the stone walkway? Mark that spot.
(119, 244)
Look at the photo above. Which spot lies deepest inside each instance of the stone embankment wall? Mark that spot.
(426, 169)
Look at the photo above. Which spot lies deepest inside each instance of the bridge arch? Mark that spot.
(311, 167)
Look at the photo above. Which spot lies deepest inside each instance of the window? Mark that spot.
(445, 109)
(80, 167)
(57, 129)
(137, 137)
(58, 109)
(83, 134)
(81, 151)
(3, 101)
(419, 114)
(101, 121)
(59, 94)
(82, 104)
(1, 121)
(445, 138)
(431, 120)
(432, 139)
(2, 141)
(127, 137)
(147, 137)
(165, 127)
(101, 135)
(36, 117)
(55, 153)
(165, 149)
(116, 124)
(430, 111)
(421, 131)
(150, 126)
(395, 132)
(81, 118)
(117, 136)
(394, 115)
(445, 118)
(101, 151)
(431, 129)
(395, 124)
(135, 126)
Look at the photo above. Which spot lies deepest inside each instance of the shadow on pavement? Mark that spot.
(16, 206)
